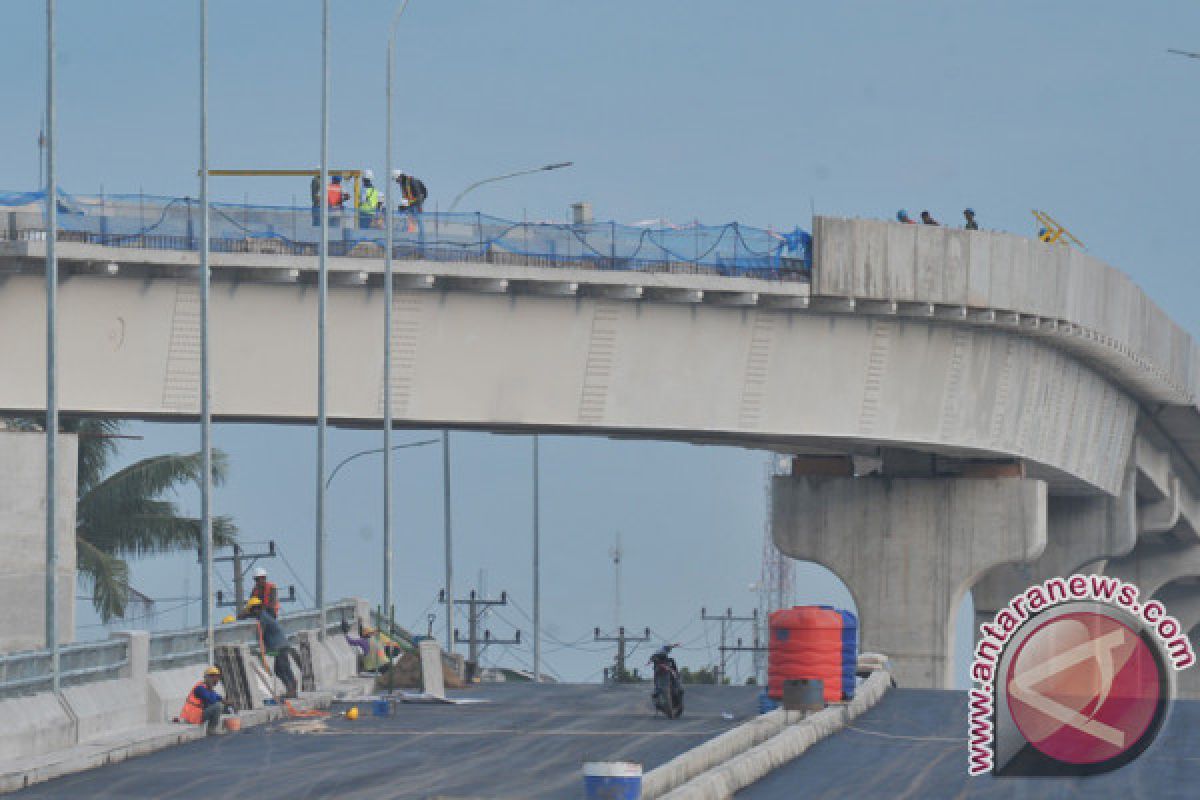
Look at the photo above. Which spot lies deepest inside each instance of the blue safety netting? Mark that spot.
(157, 222)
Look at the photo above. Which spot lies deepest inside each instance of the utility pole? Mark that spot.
(477, 606)
(757, 649)
(621, 639)
(239, 559)
(726, 620)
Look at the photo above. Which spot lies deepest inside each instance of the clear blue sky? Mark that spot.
(752, 111)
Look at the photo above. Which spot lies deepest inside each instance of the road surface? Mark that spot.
(527, 742)
(913, 745)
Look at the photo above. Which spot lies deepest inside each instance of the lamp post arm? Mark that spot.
(517, 174)
(362, 453)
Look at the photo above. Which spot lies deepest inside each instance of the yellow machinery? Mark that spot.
(1054, 231)
(356, 174)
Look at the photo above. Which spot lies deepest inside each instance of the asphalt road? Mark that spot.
(913, 745)
(527, 742)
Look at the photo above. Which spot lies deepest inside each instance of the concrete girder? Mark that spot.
(908, 549)
(1156, 562)
(1081, 531)
(1161, 516)
(1181, 597)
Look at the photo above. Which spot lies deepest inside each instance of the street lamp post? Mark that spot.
(387, 318)
(322, 297)
(206, 482)
(51, 366)
(517, 174)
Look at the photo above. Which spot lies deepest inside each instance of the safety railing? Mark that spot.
(28, 672)
(171, 649)
(165, 223)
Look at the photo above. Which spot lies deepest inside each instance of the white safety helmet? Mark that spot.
(368, 174)
(396, 174)
(260, 573)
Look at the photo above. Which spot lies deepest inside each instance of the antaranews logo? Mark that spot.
(1072, 677)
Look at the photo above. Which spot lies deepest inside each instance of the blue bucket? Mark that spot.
(612, 780)
(381, 708)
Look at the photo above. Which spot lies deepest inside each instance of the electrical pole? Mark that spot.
(240, 567)
(621, 639)
(476, 607)
(726, 620)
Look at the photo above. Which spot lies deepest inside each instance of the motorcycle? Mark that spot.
(668, 690)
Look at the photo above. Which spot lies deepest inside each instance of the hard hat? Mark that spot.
(970, 211)
(397, 174)
(228, 620)
(260, 573)
(368, 174)
(213, 671)
(352, 714)
(369, 631)
(252, 602)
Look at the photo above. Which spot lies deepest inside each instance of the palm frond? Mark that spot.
(108, 577)
(149, 478)
(96, 447)
(151, 534)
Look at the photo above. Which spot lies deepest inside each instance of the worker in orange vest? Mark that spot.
(337, 196)
(203, 704)
(266, 592)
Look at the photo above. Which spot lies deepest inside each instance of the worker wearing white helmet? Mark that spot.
(266, 592)
(412, 191)
(370, 202)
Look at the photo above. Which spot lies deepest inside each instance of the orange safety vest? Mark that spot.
(337, 195)
(193, 709)
(265, 594)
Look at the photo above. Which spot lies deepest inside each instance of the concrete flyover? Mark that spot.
(1017, 391)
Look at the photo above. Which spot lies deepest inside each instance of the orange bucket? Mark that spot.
(233, 724)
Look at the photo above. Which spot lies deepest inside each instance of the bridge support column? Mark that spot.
(908, 549)
(23, 539)
(1081, 531)
(1156, 562)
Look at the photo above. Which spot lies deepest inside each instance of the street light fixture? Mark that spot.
(362, 453)
(1185, 53)
(517, 174)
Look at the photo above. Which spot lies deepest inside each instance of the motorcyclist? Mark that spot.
(663, 656)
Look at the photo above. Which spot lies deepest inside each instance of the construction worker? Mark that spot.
(969, 215)
(412, 191)
(274, 643)
(371, 645)
(336, 194)
(902, 217)
(316, 199)
(266, 592)
(203, 704)
(927, 219)
(371, 202)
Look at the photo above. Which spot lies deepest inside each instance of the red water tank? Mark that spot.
(806, 642)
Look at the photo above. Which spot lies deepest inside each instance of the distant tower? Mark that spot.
(776, 582)
(615, 554)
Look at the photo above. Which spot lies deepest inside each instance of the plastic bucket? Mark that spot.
(381, 708)
(232, 724)
(612, 780)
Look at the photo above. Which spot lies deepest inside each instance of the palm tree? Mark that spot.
(125, 514)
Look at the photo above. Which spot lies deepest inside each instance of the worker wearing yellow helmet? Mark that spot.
(203, 704)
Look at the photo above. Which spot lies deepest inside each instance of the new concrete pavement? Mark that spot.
(913, 745)
(526, 742)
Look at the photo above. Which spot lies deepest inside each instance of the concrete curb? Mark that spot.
(102, 752)
(744, 768)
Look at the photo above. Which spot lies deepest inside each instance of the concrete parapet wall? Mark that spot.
(32, 725)
(105, 707)
(166, 690)
(873, 259)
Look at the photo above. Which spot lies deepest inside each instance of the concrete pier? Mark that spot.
(908, 550)
(23, 532)
(1082, 532)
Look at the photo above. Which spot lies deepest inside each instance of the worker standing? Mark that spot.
(370, 203)
(969, 215)
(316, 199)
(412, 191)
(203, 704)
(274, 643)
(266, 592)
